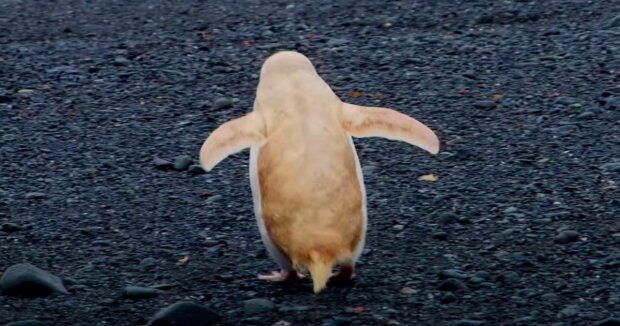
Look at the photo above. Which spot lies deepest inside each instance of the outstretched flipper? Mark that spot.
(362, 121)
(232, 137)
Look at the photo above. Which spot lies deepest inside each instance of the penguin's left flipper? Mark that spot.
(363, 121)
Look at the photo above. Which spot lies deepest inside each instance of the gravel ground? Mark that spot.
(100, 99)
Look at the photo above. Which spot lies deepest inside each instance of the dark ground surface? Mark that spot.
(116, 84)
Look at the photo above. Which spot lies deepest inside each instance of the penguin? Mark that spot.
(305, 176)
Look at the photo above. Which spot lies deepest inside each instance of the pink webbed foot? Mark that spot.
(281, 276)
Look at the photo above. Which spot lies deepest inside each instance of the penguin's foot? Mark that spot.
(346, 273)
(281, 276)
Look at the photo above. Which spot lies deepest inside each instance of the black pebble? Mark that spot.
(485, 104)
(565, 100)
(452, 285)
(10, 227)
(121, 61)
(36, 195)
(162, 164)
(613, 102)
(30, 322)
(585, 115)
(567, 236)
(508, 277)
(448, 218)
(148, 263)
(26, 280)
(467, 322)
(5, 98)
(440, 235)
(338, 322)
(222, 103)
(257, 306)
(614, 22)
(608, 322)
(187, 314)
(139, 292)
(196, 169)
(448, 298)
(182, 162)
(452, 273)
(611, 167)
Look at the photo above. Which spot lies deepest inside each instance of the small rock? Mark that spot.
(102, 242)
(222, 103)
(408, 290)
(448, 298)
(368, 169)
(527, 320)
(182, 162)
(332, 42)
(445, 155)
(91, 230)
(440, 235)
(196, 169)
(611, 167)
(463, 220)
(148, 262)
(550, 297)
(162, 164)
(575, 106)
(613, 102)
(611, 321)
(467, 49)
(485, 104)
(452, 285)
(510, 210)
(271, 46)
(614, 22)
(510, 231)
(295, 308)
(213, 199)
(35, 195)
(585, 115)
(452, 273)
(281, 323)
(162, 286)
(565, 100)
(139, 292)
(509, 277)
(568, 312)
(476, 280)
(5, 98)
(185, 313)
(467, 322)
(257, 306)
(29, 322)
(121, 61)
(26, 280)
(567, 236)
(565, 130)
(448, 218)
(10, 227)
(338, 322)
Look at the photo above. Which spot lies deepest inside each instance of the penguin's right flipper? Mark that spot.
(232, 137)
